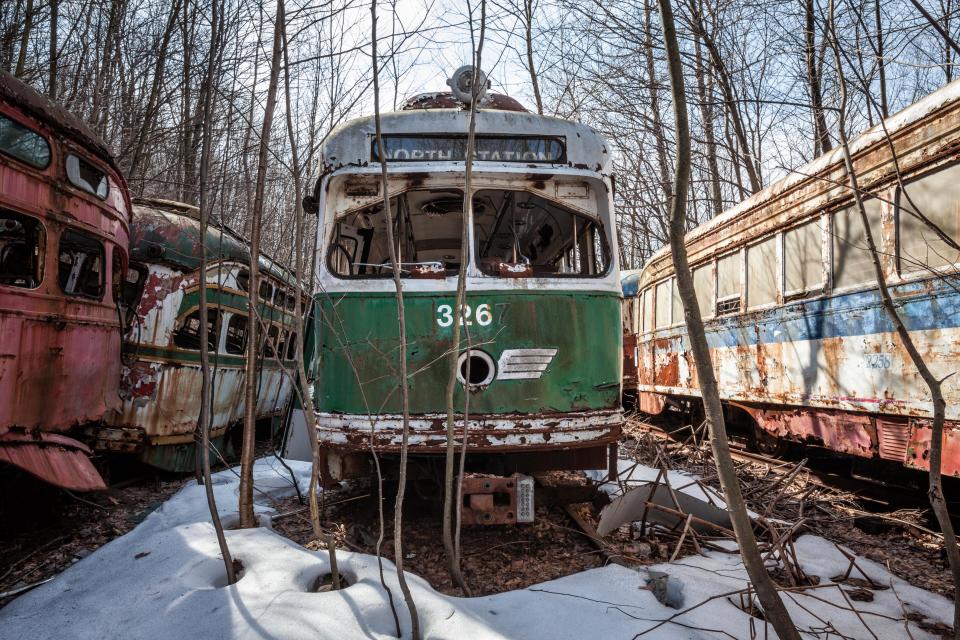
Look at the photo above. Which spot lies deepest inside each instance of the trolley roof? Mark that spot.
(39, 106)
(938, 101)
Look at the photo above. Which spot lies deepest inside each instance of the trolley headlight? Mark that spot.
(475, 369)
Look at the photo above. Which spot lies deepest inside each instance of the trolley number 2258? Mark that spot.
(483, 315)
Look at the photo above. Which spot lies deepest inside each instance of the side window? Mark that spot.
(266, 290)
(647, 310)
(116, 274)
(80, 268)
(803, 260)
(728, 284)
(292, 346)
(852, 262)
(676, 311)
(283, 338)
(243, 279)
(87, 176)
(22, 244)
(187, 335)
(236, 339)
(662, 314)
(935, 197)
(270, 341)
(703, 285)
(762, 274)
(132, 288)
(23, 144)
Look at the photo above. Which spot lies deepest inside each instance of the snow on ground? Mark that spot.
(165, 579)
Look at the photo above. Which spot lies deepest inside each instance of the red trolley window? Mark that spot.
(87, 176)
(80, 265)
(23, 144)
(22, 242)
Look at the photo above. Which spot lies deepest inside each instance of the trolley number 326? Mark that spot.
(483, 315)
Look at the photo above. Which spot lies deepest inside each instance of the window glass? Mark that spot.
(852, 263)
(935, 196)
(236, 338)
(80, 268)
(22, 243)
(647, 309)
(663, 304)
(187, 334)
(116, 274)
(520, 234)
(292, 346)
(87, 176)
(762, 273)
(703, 285)
(803, 258)
(676, 303)
(728, 283)
(23, 144)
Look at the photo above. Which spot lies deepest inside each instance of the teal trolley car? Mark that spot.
(541, 323)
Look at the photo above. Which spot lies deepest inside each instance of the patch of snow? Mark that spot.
(165, 579)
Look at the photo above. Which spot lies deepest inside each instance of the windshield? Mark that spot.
(515, 233)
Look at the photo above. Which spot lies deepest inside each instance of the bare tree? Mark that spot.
(402, 328)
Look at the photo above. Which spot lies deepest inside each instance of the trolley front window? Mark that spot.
(80, 265)
(427, 226)
(23, 144)
(520, 234)
(22, 241)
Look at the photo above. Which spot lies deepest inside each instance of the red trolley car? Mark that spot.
(64, 224)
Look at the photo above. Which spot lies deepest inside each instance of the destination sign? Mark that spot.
(400, 148)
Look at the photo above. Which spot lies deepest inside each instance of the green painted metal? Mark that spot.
(182, 458)
(584, 375)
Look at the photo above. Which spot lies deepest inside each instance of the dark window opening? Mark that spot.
(519, 234)
(131, 289)
(282, 340)
(187, 335)
(80, 268)
(292, 346)
(236, 339)
(266, 291)
(116, 274)
(427, 226)
(22, 243)
(87, 176)
(269, 348)
(23, 144)
(243, 280)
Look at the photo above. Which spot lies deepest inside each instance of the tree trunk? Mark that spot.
(706, 113)
(773, 609)
(54, 18)
(881, 63)
(528, 38)
(402, 327)
(821, 137)
(247, 518)
(24, 39)
(205, 395)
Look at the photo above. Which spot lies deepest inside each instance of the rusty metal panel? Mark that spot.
(53, 458)
(918, 450)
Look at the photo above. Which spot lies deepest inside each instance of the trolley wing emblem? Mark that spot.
(518, 364)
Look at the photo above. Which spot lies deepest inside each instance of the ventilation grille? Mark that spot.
(894, 438)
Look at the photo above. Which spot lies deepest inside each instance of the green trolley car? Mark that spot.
(541, 322)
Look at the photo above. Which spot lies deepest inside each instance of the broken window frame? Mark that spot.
(24, 133)
(76, 166)
(38, 244)
(183, 338)
(75, 239)
(231, 333)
